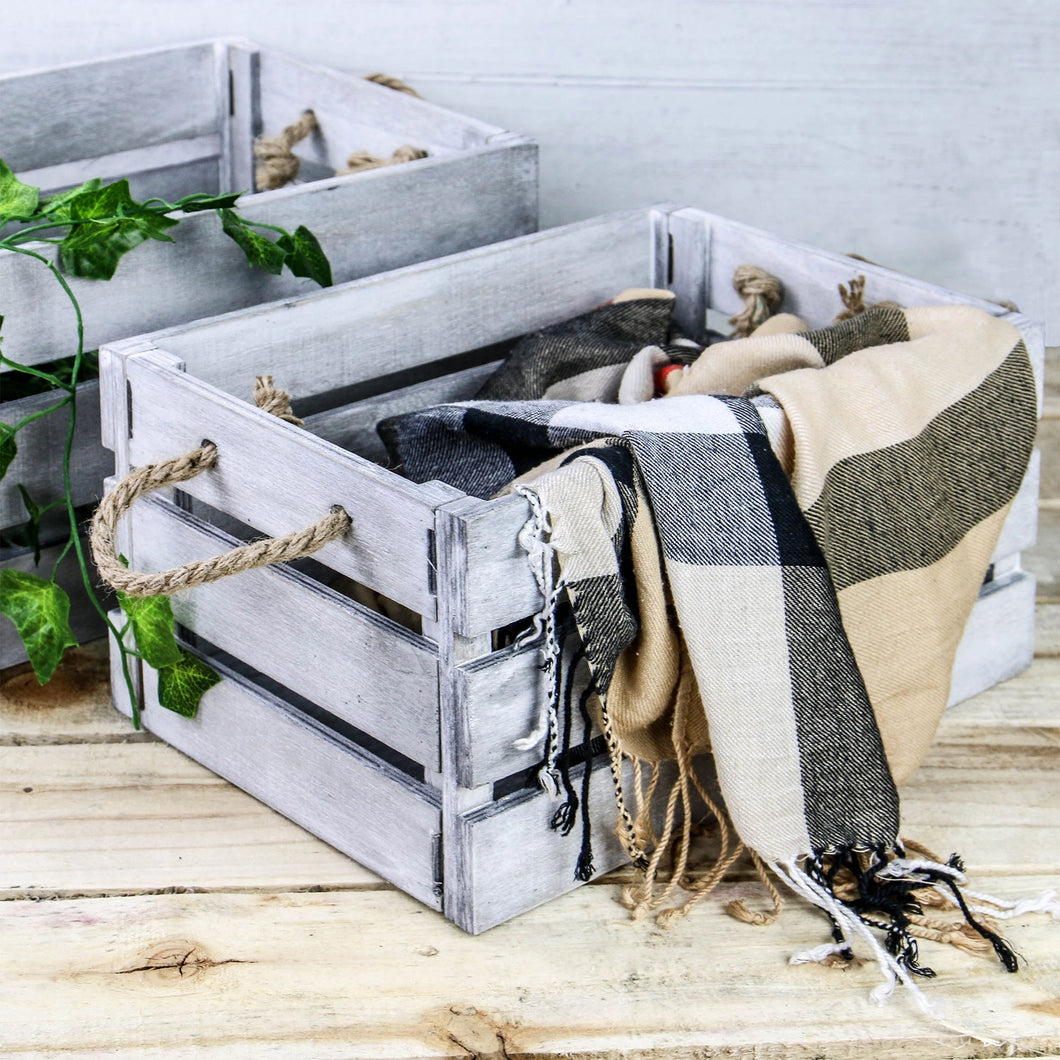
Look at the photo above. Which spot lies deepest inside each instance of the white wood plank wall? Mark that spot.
(923, 134)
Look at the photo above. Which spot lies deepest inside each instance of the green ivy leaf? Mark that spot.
(58, 206)
(116, 223)
(96, 200)
(40, 611)
(17, 200)
(260, 252)
(8, 448)
(93, 252)
(153, 626)
(196, 203)
(182, 685)
(305, 256)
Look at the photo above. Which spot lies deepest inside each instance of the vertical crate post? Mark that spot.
(451, 581)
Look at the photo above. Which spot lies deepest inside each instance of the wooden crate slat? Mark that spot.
(353, 426)
(501, 698)
(355, 114)
(78, 111)
(1021, 527)
(384, 324)
(357, 665)
(998, 640)
(137, 164)
(239, 114)
(38, 463)
(688, 266)
(372, 813)
(277, 478)
(204, 273)
(516, 861)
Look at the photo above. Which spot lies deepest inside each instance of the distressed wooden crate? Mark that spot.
(182, 120)
(395, 744)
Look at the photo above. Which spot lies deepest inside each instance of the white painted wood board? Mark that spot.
(385, 323)
(357, 114)
(356, 664)
(353, 426)
(366, 223)
(358, 804)
(998, 641)
(514, 860)
(387, 547)
(86, 110)
(173, 111)
(38, 463)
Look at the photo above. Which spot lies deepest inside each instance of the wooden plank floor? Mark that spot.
(152, 909)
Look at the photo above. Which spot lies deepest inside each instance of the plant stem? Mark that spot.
(62, 556)
(40, 414)
(28, 369)
(262, 224)
(75, 537)
(12, 241)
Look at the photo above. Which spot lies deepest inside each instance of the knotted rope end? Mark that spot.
(762, 293)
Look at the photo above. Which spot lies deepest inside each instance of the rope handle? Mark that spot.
(198, 572)
(277, 164)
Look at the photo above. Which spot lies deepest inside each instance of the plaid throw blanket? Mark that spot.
(781, 578)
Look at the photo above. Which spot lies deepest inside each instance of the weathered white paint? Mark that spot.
(365, 808)
(447, 698)
(920, 133)
(182, 119)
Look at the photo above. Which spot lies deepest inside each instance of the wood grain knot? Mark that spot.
(480, 1036)
(177, 960)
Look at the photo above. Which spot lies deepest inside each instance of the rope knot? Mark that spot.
(762, 293)
(853, 299)
(274, 401)
(277, 163)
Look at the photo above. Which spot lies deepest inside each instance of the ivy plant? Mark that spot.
(94, 226)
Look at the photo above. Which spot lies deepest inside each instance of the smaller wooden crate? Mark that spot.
(395, 744)
(182, 120)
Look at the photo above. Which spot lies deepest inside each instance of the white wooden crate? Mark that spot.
(395, 744)
(182, 120)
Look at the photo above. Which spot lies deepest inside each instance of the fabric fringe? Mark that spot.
(541, 558)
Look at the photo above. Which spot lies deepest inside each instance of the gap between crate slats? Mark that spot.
(204, 274)
(368, 810)
(364, 330)
(278, 478)
(355, 664)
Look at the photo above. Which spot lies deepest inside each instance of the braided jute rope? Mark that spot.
(761, 292)
(389, 81)
(277, 163)
(179, 469)
(274, 401)
(361, 160)
(853, 299)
